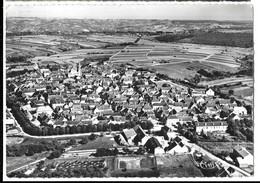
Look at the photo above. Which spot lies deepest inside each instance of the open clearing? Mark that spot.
(218, 147)
(177, 166)
(100, 142)
(16, 162)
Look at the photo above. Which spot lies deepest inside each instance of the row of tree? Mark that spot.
(56, 147)
(113, 152)
(100, 127)
(33, 148)
(241, 129)
(24, 122)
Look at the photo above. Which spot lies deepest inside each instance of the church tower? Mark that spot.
(79, 69)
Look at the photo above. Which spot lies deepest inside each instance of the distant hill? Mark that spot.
(75, 26)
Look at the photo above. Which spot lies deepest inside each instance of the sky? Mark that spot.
(141, 11)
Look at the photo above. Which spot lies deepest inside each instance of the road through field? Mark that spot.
(226, 81)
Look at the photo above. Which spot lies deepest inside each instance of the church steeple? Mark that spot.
(79, 69)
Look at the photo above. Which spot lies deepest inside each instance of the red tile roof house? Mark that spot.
(218, 126)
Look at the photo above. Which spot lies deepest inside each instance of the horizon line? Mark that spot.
(78, 18)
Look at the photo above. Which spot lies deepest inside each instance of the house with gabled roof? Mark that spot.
(200, 100)
(120, 139)
(28, 92)
(151, 144)
(210, 92)
(129, 135)
(140, 134)
(177, 147)
(44, 109)
(76, 108)
(58, 102)
(151, 114)
(210, 110)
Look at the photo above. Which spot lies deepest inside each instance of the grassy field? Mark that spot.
(13, 140)
(135, 173)
(29, 140)
(180, 70)
(177, 166)
(16, 162)
(217, 147)
(100, 142)
(240, 91)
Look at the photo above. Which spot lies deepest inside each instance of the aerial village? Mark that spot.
(134, 107)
